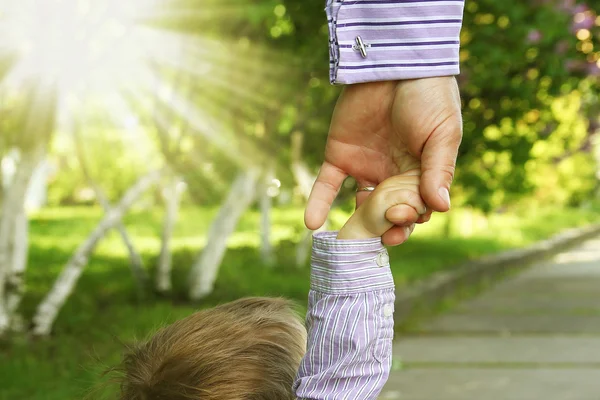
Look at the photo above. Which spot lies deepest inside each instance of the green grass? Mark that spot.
(104, 311)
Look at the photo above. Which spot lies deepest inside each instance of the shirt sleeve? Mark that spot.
(350, 321)
(376, 40)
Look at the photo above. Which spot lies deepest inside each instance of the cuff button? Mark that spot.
(388, 310)
(383, 260)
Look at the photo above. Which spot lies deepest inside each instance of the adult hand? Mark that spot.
(381, 129)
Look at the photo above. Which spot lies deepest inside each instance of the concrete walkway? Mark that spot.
(535, 336)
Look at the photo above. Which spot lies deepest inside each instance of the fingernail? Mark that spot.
(444, 195)
(407, 231)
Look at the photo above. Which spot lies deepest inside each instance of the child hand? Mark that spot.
(396, 201)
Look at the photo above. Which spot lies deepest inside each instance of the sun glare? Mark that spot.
(102, 54)
(75, 45)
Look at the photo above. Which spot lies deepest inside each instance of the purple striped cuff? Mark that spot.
(349, 266)
(404, 39)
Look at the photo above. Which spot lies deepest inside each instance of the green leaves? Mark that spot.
(519, 87)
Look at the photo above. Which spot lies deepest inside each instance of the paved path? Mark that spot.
(535, 336)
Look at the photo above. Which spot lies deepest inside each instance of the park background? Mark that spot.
(157, 155)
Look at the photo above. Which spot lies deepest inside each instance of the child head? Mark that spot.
(249, 349)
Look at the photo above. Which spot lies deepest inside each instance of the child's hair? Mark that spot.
(249, 349)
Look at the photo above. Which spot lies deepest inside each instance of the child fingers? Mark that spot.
(409, 197)
(425, 217)
(397, 235)
(402, 214)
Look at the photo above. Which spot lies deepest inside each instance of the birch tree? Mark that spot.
(14, 238)
(140, 276)
(206, 267)
(37, 124)
(48, 309)
(266, 205)
(596, 150)
(171, 194)
(305, 180)
(15, 281)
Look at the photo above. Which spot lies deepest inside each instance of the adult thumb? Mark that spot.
(438, 163)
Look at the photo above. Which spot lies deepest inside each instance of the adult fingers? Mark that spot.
(324, 191)
(438, 162)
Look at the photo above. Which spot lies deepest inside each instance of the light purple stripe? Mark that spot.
(426, 34)
(364, 259)
(401, 23)
(324, 269)
(365, 281)
(454, 11)
(347, 286)
(410, 44)
(376, 2)
(375, 75)
(423, 64)
(402, 55)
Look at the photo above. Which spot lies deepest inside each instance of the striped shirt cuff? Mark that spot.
(349, 266)
(403, 39)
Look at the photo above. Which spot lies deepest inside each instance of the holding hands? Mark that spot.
(384, 129)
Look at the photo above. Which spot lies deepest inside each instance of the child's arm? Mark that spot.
(350, 320)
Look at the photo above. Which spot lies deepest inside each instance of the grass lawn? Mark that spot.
(104, 312)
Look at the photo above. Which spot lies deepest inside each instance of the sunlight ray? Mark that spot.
(106, 55)
(232, 85)
(233, 145)
(199, 13)
(212, 56)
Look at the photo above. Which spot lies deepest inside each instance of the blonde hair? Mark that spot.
(249, 349)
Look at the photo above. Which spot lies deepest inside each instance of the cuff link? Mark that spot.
(361, 46)
(383, 259)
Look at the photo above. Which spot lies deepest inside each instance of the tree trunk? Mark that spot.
(140, 276)
(596, 147)
(37, 190)
(266, 205)
(13, 237)
(204, 271)
(303, 249)
(449, 225)
(49, 308)
(305, 180)
(302, 175)
(136, 264)
(15, 282)
(172, 196)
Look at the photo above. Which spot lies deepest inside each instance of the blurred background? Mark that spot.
(156, 157)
